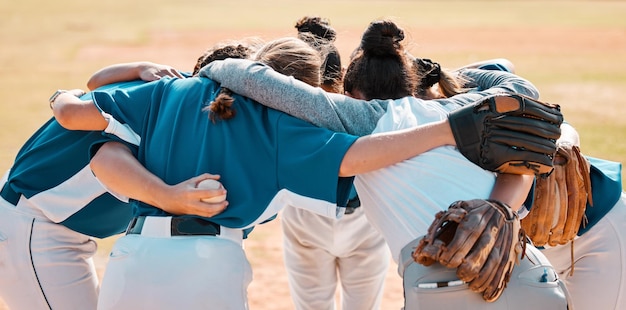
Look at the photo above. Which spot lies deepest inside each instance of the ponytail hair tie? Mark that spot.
(431, 72)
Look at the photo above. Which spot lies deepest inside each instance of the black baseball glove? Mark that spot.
(508, 133)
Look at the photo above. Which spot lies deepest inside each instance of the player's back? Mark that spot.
(257, 152)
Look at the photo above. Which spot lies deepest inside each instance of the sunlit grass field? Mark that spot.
(573, 51)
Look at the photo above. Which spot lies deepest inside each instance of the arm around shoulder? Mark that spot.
(380, 150)
(144, 70)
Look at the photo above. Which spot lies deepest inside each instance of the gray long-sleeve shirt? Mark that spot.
(335, 111)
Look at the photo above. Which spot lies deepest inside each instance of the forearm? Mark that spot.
(489, 83)
(129, 178)
(115, 73)
(380, 150)
(512, 189)
(141, 70)
(500, 81)
(270, 88)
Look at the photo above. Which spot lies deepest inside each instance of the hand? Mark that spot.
(185, 198)
(74, 92)
(508, 133)
(150, 71)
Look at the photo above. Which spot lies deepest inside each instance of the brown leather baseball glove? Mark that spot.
(561, 198)
(481, 238)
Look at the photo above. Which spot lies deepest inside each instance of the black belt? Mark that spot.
(9, 194)
(349, 210)
(180, 226)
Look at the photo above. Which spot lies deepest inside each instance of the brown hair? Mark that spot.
(292, 57)
(289, 56)
(317, 32)
(380, 67)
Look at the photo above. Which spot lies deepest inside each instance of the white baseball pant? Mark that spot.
(154, 270)
(599, 277)
(44, 265)
(320, 251)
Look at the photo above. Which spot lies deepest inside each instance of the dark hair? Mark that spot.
(318, 33)
(221, 52)
(221, 106)
(430, 73)
(380, 68)
(320, 27)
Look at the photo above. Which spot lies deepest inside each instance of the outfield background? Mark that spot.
(573, 51)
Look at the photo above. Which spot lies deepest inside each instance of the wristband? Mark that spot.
(55, 95)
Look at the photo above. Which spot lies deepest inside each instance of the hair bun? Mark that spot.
(382, 38)
(316, 26)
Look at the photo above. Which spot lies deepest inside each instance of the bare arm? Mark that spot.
(379, 150)
(133, 180)
(512, 189)
(144, 70)
(76, 114)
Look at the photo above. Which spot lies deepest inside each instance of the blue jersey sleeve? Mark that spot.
(129, 105)
(309, 159)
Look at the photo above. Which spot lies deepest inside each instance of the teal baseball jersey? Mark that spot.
(257, 153)
(51, 170)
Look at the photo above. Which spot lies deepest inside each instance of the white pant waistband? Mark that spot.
(161, 227)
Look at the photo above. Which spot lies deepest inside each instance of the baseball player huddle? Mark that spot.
(358, 160)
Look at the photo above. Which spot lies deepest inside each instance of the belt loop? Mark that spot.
(131, 225)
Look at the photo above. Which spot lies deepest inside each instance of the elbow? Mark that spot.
(64, 117)
(93, 83)
(342, 172)
(96, 163)
(348, 168)
(104, 156)
(72, 117)
(78, 116)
